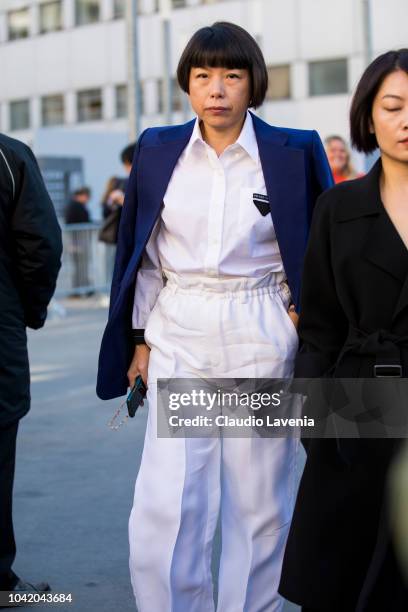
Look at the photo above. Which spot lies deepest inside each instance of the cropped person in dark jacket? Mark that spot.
(30, 252)
(75, 213)
(76, 210)
(354, 324)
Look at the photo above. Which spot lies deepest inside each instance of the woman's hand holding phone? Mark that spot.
(139, 364)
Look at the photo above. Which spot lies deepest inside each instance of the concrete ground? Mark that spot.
(74, 476)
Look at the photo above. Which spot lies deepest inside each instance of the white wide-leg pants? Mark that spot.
(214, 328)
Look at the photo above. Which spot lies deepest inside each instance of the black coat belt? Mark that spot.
(383, 345)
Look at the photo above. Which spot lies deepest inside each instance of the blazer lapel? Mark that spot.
(156, 165)
(384, 248)
(402, 300)
(285, 180)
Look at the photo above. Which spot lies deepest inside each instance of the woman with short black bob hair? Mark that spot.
(230, 46)
(210, 251)
(362, 131)
(340, 555)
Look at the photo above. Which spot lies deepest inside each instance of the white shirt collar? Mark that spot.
(246, 139)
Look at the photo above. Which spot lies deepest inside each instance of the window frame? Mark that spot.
(79, 94)
(77, 12)
(316, 92)
(117, 15)
(123, 87)
(23, 9)
(268, 96)
(48, 97)
(12, 103)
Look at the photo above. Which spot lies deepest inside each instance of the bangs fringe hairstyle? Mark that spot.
(362, 105)
(225, 45)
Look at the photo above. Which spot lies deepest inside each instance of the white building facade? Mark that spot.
(63, 66)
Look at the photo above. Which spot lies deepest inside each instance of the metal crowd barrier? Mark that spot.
(87, 263)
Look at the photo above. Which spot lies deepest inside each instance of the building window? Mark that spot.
(20, 115)
(178, 3)
(328, 77)
(18, 24)
(148, 7)
(52, 110)
(119, 9)
(86, 11)
(89, 105)
(278, 83)
(121, 101)
(50, 17)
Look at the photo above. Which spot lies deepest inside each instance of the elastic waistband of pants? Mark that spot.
(228, 286)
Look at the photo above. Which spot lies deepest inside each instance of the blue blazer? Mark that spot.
(295, 170)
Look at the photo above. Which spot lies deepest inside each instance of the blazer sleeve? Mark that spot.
(323, 325)
(37, 239)
(127, 225)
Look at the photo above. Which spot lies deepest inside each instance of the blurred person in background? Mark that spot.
(114, 193)
(113, 196)
(339, 156)
(127, 157)
(30, 254)
(112, 202)
(76, 212)
(340, 555)
(219, 207)
(399, 507)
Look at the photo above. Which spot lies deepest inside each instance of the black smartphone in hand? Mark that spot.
(136, 396)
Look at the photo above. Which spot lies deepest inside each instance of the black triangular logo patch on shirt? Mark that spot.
(262, 203)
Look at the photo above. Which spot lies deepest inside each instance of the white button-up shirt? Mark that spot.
(215, 220)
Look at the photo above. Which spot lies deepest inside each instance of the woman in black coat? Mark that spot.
(354, 323)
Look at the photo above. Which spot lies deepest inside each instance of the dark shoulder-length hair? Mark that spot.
(362, 104)
(225, 45)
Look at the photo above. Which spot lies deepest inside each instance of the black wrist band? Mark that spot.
(138, 336)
